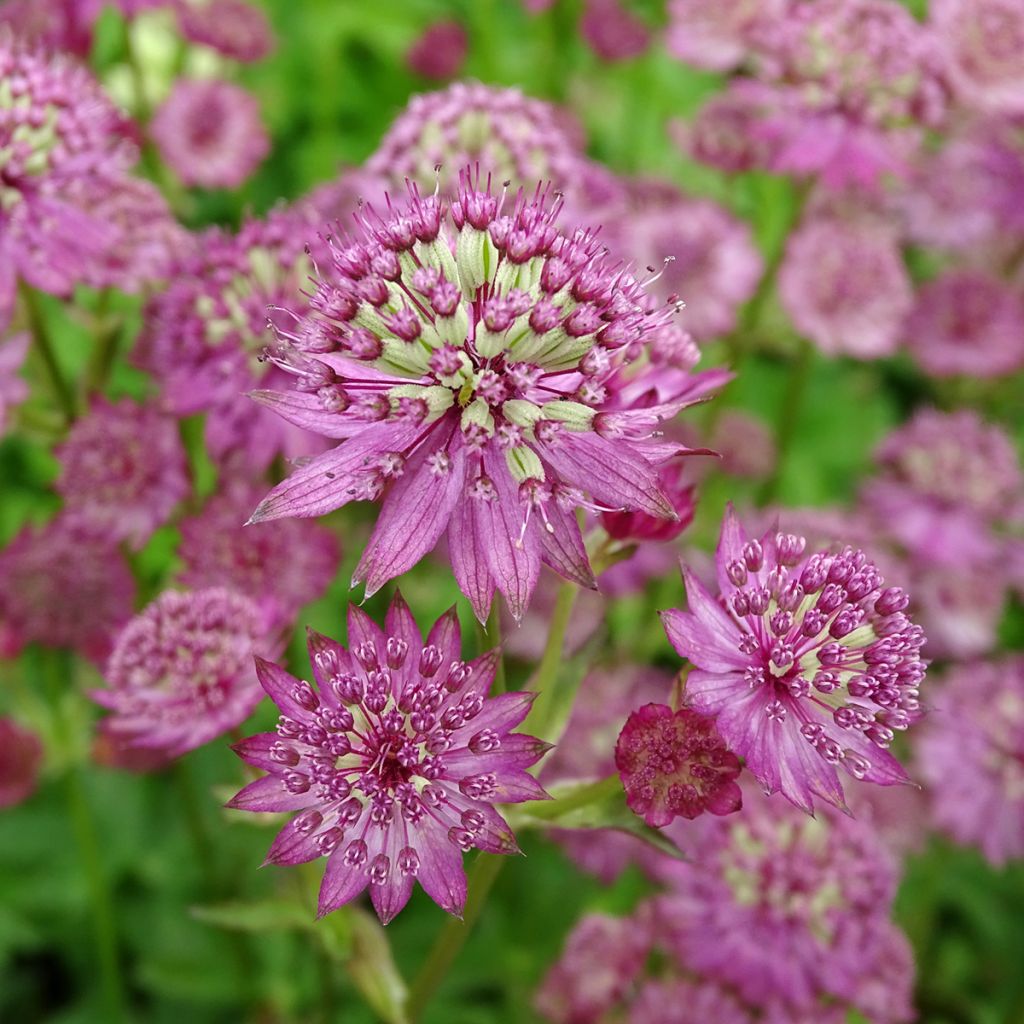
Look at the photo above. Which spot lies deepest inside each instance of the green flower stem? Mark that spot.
(108, 337)
(453, 935)
(41, 336)
(583, 797)
(198, 832)
(546, 676)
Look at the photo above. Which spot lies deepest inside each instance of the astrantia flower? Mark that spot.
(727, 131)
(845, 286)
(123, 470)
(790, 911)
(205, 334)
(808, 663)
(473, 359)
(673, 764)
(967, 322)
(440, 51)
(20, 756)
(281, 567)
(613, 32)
(234, 28)
(63, 587)
(13, 389)
(972, 755)
(715, 35)
(53, 25)
(61, 141)
(181, 673)
(395, 761)
(209, 133)
(983, 41)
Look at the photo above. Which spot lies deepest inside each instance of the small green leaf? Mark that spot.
(265, 916)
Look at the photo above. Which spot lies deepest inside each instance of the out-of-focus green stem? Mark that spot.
(453, 934)
(789, 417)
(583, 797)
(108, 334)
(41, 337)
(492, 641)
(546, 676)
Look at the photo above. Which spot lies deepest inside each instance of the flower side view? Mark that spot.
(394, 760)
(472, 360)
(807, 662)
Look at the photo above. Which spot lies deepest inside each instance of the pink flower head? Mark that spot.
(511, 136)
(727, 131)
(440, 51)
(13, 389)
(395, 762)
(673, 764)
(983, 41)
(967, 322)
(639, 526)
(708, 256)
(972, 755)
(210, 133)
(715, 35)
(205, 334)
(181, 673)
(51, 25)
(613, 32)
(281, 567)
(21, 754)
(845, 286)
(790, 911)
(691, 1001)
(471, 358)
(807, 661)
(123, 470)
(63, 587)
(62, 143)
(234, 28)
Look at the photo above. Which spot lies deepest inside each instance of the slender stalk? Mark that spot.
(492, 640)
(453, 935)
(546, 676)
(108, 335)
(41, 336)
(197, 829)
(789, 417)
(583, 797)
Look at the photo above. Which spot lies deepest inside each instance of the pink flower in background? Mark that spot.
(123, 470)
(639, 526)
(727, 131)
(282, 567)
(715, 35)
(691, 1001)
(673, 764)
(972, 755)
(62, 144)
(613, 32)
(808, 663)
(395, 762)
(983, 41)
(205, 334)
(967, 322)
(745, 443)
(21, 755)
(845, 286)
(440, 51)
(235, 28)
(181, 672)
(210, 133)
(51, 25)
(13, 389)
(63, 588)
(471, 405)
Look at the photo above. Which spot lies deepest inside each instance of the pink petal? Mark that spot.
(730, 548)
(279, 686)
(307, 411)
(270, 794)
(440, 872)
(697, 645)
(341, 882)
(293, 847)
(469, 562)
(563, 549)
(255, 750)
(446, 636)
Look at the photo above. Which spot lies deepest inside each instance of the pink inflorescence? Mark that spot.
(62, 145)
(63, 587)
(809, 662)
(210, 133)
(972, 755)
(181, 672)
(123, 470)
(471, 356)
(234, 28)
(395, 761)
(714, 35)
(440, 51)
(205, 334)
(673, 764)
(612, 31)
(21, 754)
(13, 389)
(281, 567)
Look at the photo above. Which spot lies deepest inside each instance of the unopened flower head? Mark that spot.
(394, 760)
(972, 755)
(440, 51)
(673, 764)
(21, 754)
(809, 662)
(13, 389)
(844, 284)
(181, 672)
(282, 567)
(123, 470)
(967, 322)
(235, 28)
(210, 133)
(472, 357)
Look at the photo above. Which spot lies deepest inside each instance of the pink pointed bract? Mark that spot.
(440, 51)
(13, 388)
(673, 764)
(638, 526)
(394, 761)
(471, 360)
(210, 133)
(181, 672)
(808, 663)
(21, 754)
(123, 470)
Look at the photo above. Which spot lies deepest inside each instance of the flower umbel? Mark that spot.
(394, 760)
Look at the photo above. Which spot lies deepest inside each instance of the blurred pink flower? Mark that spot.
(745, 443)
(21, 754)
(715, 35)
(439, 51)
(613, 32)
(235, 28)
(13, 388)
(691, 1001)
